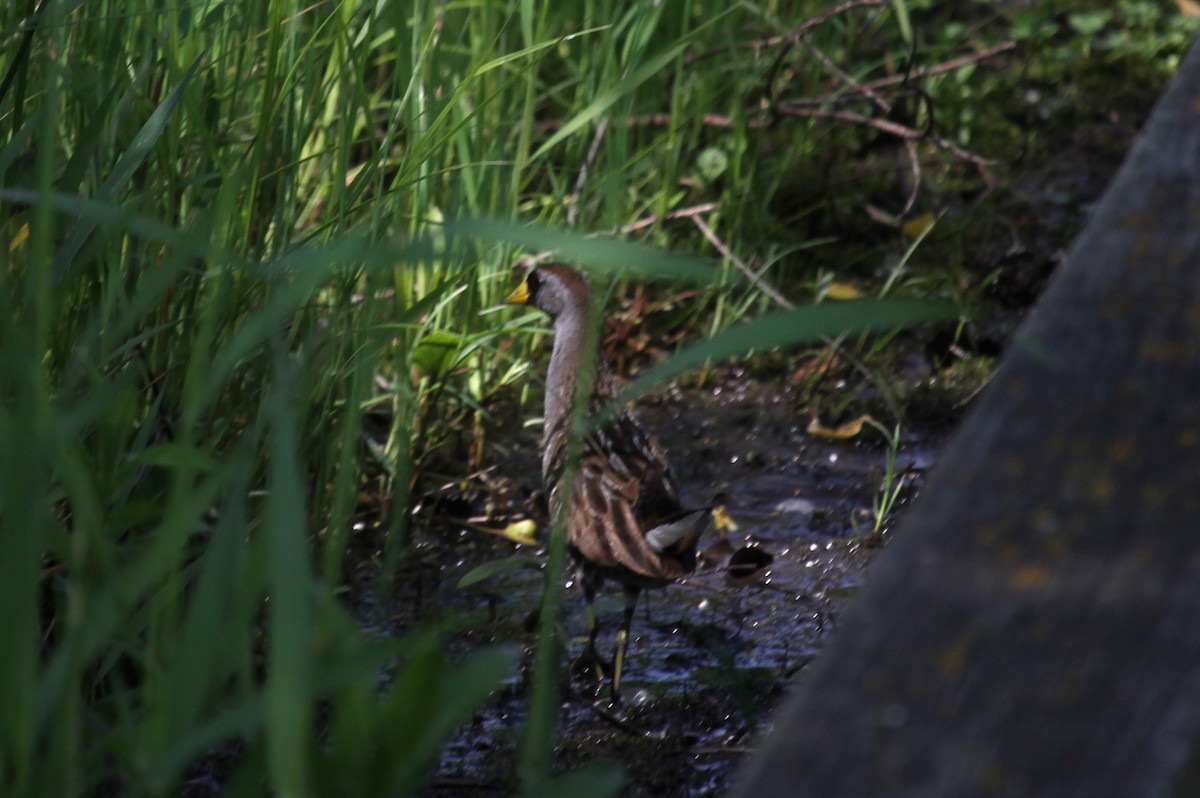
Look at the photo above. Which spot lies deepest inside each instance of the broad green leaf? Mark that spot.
(790, 327)
(437, 352)
(596, 254)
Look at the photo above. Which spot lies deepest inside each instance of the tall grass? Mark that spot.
(222, 230)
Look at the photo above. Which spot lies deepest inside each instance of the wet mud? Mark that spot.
(710, 656)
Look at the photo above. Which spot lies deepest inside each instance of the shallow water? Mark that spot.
(709, 657)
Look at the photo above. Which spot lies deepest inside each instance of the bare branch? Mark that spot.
(792, 36)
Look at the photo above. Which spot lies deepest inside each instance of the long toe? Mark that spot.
(590, 665)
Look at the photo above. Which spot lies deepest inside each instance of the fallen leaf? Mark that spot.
(917, 226)
(881, 216)
(523, 532)
(842, 291)
(841, 432)
(722, 521)
(1029, 576)
(748, 561)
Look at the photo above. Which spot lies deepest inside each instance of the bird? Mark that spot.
(624, 519)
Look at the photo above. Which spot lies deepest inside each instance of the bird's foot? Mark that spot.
(590, 664)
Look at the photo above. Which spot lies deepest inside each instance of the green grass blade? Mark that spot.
(595, 254)
(610, 96)
(289, 695)
(790, 327)
(125, 168)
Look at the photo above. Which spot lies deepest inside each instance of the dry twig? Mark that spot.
(750, 274)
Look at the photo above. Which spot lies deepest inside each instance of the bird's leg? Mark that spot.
(589, 597)
(631, 597)
(590, 662)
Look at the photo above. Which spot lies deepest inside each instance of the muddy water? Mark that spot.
(710, 656)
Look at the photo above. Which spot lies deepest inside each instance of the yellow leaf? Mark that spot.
(840, 433)
(523, 532)
(723, 521)
(918, 225)
(1029, 576)
(19, 238)
(842, 291)
(1188, 8)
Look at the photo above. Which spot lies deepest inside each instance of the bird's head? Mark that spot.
(554, 288)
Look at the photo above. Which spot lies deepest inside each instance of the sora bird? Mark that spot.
(624, 519)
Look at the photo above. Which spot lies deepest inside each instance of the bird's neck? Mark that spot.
(566, 358)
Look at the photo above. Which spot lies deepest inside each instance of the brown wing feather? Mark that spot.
(633, 453)
(604, 526)
(623, 488)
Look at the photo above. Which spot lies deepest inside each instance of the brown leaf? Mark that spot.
(748, 561)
